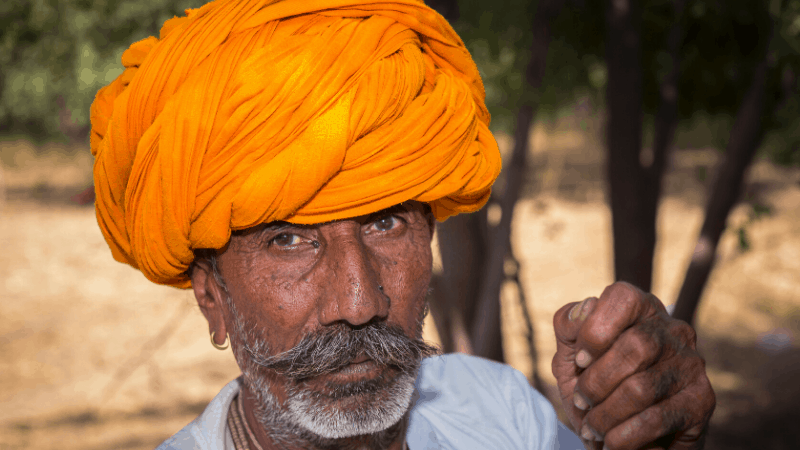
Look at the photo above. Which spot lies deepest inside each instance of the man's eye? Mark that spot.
(386, 223)
(285, 240)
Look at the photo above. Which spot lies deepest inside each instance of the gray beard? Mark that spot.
(374, 411)
(308, 421)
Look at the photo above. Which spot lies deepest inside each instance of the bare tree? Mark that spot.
(633, 239)
(665, 123)
(473, 253)
(745, 139)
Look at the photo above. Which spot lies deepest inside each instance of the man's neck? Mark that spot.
(296, 441)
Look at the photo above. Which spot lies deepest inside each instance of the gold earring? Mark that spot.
(224, 345)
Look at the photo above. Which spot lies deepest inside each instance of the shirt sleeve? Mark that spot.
(567, 440)
(473, 403)
(538, 410)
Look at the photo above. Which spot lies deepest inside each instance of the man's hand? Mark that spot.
(629, 374)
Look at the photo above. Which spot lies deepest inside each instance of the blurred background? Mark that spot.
(654, 141)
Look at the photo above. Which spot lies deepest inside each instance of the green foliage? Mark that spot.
(758, 211)
(499, 35)
(743, 238)
(782, 140)
(56, 54)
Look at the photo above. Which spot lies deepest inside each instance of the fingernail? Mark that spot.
(575, 311)
(583, 359)
(588, 434)
(588, 306)
(580, 402)
(581, 310)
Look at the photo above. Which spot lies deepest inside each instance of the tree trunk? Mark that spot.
(666, 120)
(486, 331)
(634, 235)
(462, 246)
(746, 136)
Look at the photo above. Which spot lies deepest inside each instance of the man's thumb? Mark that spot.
(568, 320)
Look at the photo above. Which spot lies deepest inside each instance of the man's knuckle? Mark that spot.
(693, 367)
(651, 337)
(698, 364)
(612, 443)
(623, 436)
(710, 404)
(596, 422)
(589, 385)
(684, 332)
(674, 419)
(650, 345)
(619, 293)
(633, 356)
(654, 301)
(667, 381)
(635, 388)
(708, 398)
(597, 337)
(624, 286)
(629, 295)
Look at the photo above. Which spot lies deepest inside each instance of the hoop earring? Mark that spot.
(224, 345)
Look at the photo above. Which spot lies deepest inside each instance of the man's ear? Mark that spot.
(211, 298)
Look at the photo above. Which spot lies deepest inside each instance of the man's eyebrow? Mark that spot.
(396, 209)
(260, 230)
(280, 225)
(276, 225)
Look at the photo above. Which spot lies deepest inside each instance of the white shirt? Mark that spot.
(461, 402)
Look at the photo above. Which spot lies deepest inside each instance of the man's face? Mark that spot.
(326, 320)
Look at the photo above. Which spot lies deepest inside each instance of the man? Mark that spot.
(287, 160)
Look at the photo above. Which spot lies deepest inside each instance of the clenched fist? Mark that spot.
(629, 374)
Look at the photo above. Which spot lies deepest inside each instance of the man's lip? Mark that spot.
(358, 371)
(360, 359)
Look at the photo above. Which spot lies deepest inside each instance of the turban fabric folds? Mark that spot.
(250, 111)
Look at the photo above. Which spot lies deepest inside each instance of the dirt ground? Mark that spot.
(96, 357)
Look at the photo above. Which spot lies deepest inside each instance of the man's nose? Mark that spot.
(355, 295)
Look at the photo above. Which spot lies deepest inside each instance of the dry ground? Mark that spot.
(96, 357)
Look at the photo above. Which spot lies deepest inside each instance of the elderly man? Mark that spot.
(287, 160)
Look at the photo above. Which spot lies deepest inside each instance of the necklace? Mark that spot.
(236, 427)
(247, 428)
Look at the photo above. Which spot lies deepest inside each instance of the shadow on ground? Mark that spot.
(761, 411)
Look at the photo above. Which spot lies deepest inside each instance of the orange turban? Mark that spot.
(307, 111)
